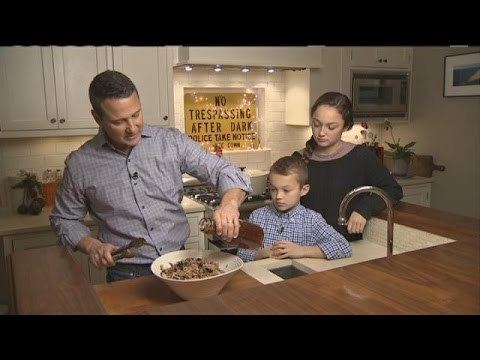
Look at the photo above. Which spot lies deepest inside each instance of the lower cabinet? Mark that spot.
(196, 239)
(418, 194)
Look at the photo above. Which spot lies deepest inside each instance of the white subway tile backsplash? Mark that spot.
(22, 162)
(66, 147)
(256, 157)
(55, 160)
(17, 147)
(41, 147)
(275, 106)
(274, 116)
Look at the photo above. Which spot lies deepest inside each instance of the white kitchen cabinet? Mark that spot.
(379, 57)
(196, 239)
(151, 70)
(46, 88)
(304, 87)
(418, 194)
(260, 56)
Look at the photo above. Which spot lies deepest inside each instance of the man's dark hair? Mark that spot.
(109, 84)
(288, 165)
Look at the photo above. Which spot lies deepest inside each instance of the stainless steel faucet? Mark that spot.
(371, 189)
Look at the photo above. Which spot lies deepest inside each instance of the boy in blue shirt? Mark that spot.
(291, 230)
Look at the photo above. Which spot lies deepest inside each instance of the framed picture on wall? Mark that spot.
(462, 75)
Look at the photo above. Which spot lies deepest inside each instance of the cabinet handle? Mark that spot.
(165, 117)
(53, 121)
(379, 60)
(62, 121)
(385, 60)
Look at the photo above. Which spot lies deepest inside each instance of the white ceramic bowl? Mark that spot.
(198, 288)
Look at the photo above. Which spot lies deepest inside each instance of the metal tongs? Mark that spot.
(124, 251)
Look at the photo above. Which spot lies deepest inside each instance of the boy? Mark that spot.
(291, 230)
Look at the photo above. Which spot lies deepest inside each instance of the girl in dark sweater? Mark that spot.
(337, 167)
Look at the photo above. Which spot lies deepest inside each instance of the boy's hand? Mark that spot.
(356, 223)
(286, 249)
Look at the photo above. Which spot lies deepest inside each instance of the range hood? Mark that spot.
(255, 57)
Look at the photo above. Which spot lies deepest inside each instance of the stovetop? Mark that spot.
(207, 196)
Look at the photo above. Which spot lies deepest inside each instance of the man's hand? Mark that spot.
(100, 254)
(356, 223)
(227, 216)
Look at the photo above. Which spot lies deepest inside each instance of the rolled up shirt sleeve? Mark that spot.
(67, 217)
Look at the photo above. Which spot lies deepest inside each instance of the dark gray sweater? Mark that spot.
(331, 180)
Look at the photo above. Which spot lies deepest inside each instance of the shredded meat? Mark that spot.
(192, 268)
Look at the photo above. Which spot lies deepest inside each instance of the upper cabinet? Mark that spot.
(379, 57)
(151, 70)
(46, 88)
(264, 56)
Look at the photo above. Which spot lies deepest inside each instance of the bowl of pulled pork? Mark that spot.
(196, 274)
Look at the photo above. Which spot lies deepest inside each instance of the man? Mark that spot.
(129, 178)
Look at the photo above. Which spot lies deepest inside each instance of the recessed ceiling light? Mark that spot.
(271, 70)
(218, 68)
(245, 69)
(188, 68)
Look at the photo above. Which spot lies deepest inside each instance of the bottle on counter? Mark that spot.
(250, 235)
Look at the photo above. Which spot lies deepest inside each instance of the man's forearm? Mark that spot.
(233, 197)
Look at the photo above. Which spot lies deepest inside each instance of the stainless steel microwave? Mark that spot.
(380, 94)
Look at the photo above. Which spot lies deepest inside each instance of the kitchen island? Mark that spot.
(442, 279)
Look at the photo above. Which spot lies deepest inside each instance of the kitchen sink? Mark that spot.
(288, 272)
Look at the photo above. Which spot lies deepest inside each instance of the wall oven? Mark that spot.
(380, 94)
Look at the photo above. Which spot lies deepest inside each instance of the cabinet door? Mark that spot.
(147, 67)
(27, 88)
(364, 56)
(196, 239)
(381, 57)
(75, 67)
(397, 57)
(33, 240)
(417, 194)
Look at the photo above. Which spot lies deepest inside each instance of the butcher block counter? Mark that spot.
(436, 280)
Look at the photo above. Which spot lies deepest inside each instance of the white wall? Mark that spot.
(447, 128)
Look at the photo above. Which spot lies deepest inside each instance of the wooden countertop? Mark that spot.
(138, 296)
(438, 280)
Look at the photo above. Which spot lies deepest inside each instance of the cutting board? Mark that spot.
(422, 165)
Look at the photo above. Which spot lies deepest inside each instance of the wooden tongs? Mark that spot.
(124, 251)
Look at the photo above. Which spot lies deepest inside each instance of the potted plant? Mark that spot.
(402, 155)
(33, 201)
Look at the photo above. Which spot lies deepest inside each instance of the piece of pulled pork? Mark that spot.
(192, 268)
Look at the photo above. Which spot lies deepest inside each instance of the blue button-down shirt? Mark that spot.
(301, 226)
(137, 195)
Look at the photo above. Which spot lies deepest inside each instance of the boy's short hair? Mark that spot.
(288, 165)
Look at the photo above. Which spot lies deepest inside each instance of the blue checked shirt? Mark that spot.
(301, 226)
(101, 180)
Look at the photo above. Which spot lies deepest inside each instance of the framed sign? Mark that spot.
(226, 120)
(462, 75)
